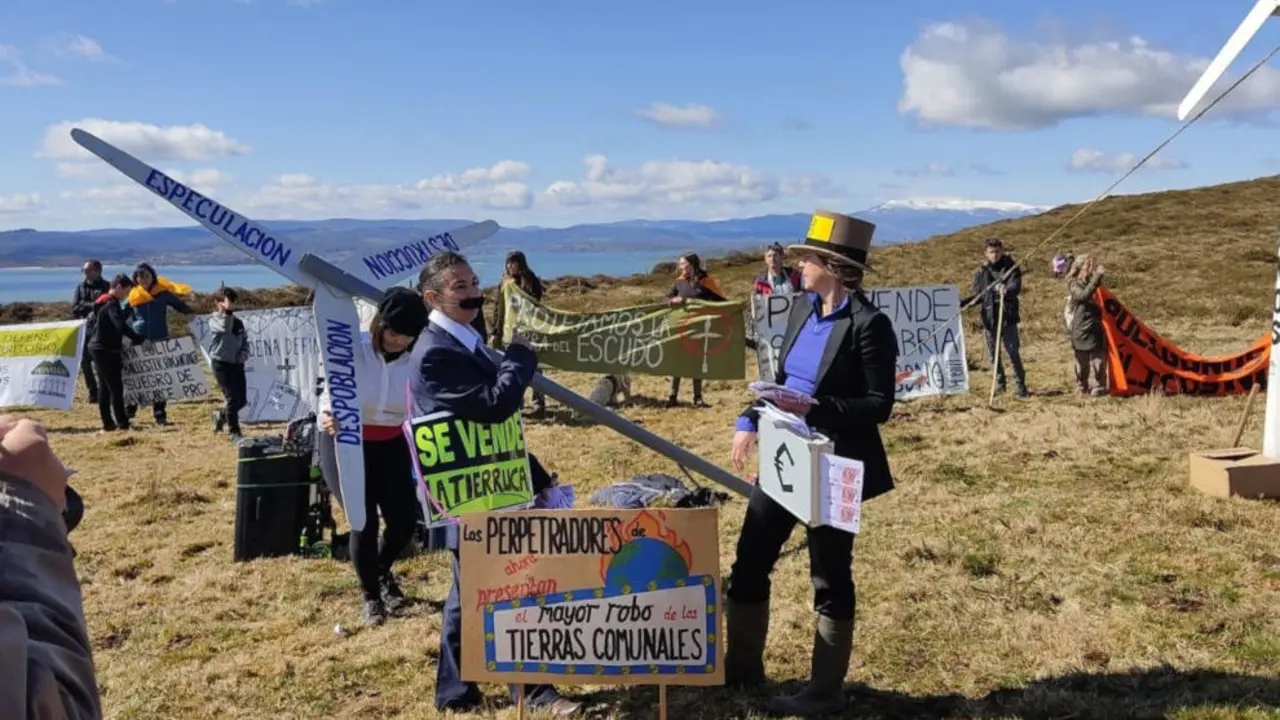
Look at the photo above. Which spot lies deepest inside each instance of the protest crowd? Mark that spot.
(834, 363)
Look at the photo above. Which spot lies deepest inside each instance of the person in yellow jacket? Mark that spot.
(148, 303)
(517, 271)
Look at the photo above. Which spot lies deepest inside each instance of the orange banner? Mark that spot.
(1140, 361)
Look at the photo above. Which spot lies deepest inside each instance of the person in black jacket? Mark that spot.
(457, 376)
(839, 350)
(106, 347)
(995, 288)
(82, 306)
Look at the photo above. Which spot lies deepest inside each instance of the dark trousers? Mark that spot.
(109, 366)
(159, 410)
(765, 530)
(675, 388)
(1095, 360)
(451, 691)
(234, 386)
(1012, 350)
(86, 369)
(388, 488)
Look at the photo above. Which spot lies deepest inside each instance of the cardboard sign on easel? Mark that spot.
(800, 472)
(592, 597)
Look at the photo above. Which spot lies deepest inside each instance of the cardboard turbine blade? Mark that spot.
(1230, 51)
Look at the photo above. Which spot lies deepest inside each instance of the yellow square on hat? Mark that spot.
(820, 228)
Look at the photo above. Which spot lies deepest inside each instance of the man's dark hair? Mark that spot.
(122, 280)
(995, 243)
(776, 249)
(431, 277)
(226, 293)
(93, 265)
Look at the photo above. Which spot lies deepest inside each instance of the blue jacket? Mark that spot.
(150, 319)
(453, 379)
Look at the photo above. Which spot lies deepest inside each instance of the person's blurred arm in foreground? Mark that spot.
(46, 663)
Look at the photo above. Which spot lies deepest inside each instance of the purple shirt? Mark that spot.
(801, 364)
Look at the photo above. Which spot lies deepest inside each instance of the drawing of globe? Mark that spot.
(643, 560)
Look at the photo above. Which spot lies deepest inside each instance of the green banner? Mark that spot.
(471, 467)
(694, 339)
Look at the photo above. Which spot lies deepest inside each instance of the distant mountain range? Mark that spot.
(896, 222)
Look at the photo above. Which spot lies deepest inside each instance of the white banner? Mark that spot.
(284, 362)
(927, 365)
(40, 364)
(167, 370)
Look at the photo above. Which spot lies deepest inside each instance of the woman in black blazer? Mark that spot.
(841, 351)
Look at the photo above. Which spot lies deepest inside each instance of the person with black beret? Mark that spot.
(384, 367)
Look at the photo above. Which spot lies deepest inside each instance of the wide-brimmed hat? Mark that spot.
(838, 237)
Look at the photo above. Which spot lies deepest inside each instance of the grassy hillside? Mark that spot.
(1042, 559)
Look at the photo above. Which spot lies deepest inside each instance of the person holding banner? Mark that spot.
(839, 354)
(693, 283)
(385, 365)
(459, 392)
(149, 298)
(518, 272)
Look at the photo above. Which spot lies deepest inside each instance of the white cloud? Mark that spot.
(499, 186)
(933, 169)
(207, 181)
(20, 204)
(83, 47)
(116, 196)
(96, 171)
(675, 183)
(123, 200)
(973, 75)
(15, 72)
(689, 116)
(1096, 161)
(957, 203)
(146, 141)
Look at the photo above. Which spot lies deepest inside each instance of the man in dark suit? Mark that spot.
(457, 376)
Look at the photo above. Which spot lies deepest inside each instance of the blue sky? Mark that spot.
(561, 112)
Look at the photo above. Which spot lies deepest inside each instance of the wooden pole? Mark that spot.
(520, 702)
(995, 363)
(1244, 415)
(662, 702)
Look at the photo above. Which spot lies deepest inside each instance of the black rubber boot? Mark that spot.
(746, 632)
(824, 695)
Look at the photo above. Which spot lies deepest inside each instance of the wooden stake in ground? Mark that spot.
(662, 702)
(520, 701)
(995, 363)
(1244, 415)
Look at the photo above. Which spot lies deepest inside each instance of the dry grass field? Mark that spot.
(1042, 559)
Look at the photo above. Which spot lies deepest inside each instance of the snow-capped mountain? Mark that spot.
(896, 221)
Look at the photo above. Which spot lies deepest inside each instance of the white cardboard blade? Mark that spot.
(338, 332)
(390, 265)
(1227, 55)
(1271, 420)
(277, 253)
